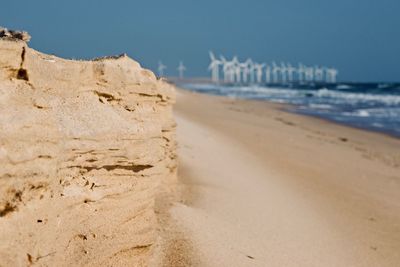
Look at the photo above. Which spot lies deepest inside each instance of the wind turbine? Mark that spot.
(328, 75)
(268, 74)
(309, 73)
(228, 69)
(319, 73)
(334, 73)
(161, 68)
(275, 72)
(290, 71)
(251, 70)
(300, 72)
(225, 68)
(331, 74)
(237, 70)
(245, 66)
(259, 71)
(214, 67)
(181, 68)
(283, 72)
(232, 70)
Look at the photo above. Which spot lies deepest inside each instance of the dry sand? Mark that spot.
(265, 187)
(84, 148)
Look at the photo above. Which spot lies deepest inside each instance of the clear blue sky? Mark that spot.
(360, 37)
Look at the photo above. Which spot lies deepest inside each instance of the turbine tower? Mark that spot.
(181, 68)
(161, 68)
(214, 68)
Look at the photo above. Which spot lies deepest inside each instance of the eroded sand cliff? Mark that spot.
(83, 148)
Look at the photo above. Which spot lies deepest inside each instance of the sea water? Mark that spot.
(372, 106)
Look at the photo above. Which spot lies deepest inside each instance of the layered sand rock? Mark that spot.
(84, 146)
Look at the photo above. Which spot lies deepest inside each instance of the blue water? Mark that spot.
(372, 106)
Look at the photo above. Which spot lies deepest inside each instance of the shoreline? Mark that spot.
(366, 129)
(266, 186)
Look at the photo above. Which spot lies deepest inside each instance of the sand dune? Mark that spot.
(84, 146)
(269, 188)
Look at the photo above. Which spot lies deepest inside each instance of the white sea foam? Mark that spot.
(271, 92)
(320, 106)
(359, 97)
(343, 87)
(363, 113)
(378, 125)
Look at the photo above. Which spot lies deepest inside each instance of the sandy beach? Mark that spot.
(200, 134)
(264, 187)
(91, 174)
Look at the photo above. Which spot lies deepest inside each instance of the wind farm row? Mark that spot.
(161, 67)
(250, 72)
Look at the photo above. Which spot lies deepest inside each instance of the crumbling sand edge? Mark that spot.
(84, 147)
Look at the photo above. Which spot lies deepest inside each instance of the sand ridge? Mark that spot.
(84, 147)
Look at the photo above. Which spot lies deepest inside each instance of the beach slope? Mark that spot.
(264, 187)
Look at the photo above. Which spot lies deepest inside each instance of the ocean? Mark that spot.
(371, 106)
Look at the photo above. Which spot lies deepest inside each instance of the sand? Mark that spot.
(264, 187)
(86, 148)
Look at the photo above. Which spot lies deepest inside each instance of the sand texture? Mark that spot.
(84, 146)
(269, 188)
